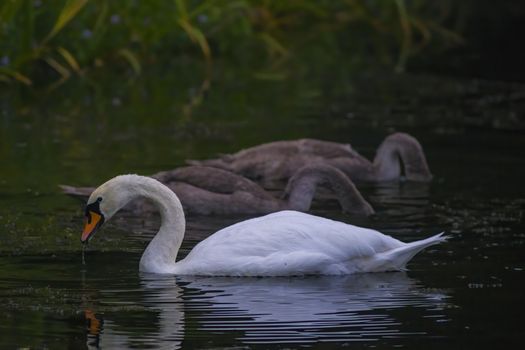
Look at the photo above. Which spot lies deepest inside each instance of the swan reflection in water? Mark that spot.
(264, 310)
(150, 316)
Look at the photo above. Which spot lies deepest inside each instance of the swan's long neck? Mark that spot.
(397, 151)
(161, 252)
(302, 187)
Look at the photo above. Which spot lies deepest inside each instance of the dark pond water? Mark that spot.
(465, 293)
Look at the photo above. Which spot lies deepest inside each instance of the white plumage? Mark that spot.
(294, 243)
(279, 244)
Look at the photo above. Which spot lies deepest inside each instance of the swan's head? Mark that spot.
(105, 201)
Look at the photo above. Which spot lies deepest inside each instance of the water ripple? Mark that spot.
(274, 310)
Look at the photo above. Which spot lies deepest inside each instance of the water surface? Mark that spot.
(465, 293)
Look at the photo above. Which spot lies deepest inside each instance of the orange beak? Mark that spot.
(91, 223)
(94, 323)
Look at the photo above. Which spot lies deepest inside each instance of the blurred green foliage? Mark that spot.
(45, 43)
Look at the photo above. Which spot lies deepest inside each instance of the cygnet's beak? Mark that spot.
(92, 222)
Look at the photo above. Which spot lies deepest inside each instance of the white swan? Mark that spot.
(279, 244)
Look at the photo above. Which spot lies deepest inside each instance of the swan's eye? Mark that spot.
(93, 208)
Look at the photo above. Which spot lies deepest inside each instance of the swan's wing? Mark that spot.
(283, 243)
(288, 149)
(211, 179)
(196, 200)
(280, 159)
(325, 149)
(311, 147)
(247, 156)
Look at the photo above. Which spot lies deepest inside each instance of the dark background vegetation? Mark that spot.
(45, 44)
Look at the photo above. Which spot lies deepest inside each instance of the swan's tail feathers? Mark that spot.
(396, 259)
(81, 193)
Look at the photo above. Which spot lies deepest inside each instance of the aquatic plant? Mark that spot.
(48, 42)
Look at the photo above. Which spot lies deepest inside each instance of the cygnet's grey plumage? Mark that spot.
(208, 190)
(279, 160)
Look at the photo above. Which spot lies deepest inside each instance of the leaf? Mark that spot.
(101, 18)
(69, 11)
(22, 78)
(132, 60)
(197, 36)
(5, 72)
(200, 9)
(63, 71)
(273, 44)
(181, 7)
(9, 9)
(68, 57)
